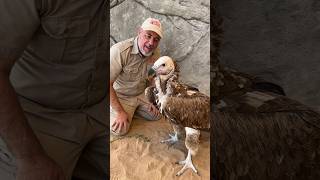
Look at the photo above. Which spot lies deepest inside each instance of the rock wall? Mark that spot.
(277, 40)
(186, 32)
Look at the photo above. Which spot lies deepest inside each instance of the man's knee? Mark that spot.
(150, 116)
(153, 117)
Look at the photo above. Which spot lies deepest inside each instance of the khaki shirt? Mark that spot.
(61, 74)
(129, 69)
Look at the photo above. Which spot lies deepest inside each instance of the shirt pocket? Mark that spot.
(61, 39)
(132, 74)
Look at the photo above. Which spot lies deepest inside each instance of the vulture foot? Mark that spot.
(187, 164)
(172, 140)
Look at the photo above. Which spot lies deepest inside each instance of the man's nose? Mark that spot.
(151, 42)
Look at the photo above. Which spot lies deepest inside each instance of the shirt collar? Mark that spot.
(135, 49)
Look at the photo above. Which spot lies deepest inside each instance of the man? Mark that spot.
(129, 61)
(53, 87)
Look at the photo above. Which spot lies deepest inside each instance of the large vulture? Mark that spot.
(185, 107)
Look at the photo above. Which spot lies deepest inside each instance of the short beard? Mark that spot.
(145, 54)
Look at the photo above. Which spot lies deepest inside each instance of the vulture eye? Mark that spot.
(163, 65)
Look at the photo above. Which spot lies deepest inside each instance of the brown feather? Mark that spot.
(149, 93)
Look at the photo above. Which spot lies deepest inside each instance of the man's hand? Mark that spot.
(38, 167)
(121, 122)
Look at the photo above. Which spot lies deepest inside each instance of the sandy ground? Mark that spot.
(139, 155)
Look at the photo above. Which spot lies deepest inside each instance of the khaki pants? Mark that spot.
(134, 107)
(86, 160)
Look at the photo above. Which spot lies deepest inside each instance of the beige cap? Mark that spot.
(152, 24)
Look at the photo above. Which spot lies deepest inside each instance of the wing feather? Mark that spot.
(150, 93)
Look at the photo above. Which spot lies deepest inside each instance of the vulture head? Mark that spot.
(165, 68)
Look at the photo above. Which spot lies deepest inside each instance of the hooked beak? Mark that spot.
(155, 69)
(152, 73)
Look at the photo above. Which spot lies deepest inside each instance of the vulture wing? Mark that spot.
(191, 111)
(150, 93)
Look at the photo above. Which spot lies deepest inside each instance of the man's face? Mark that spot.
(148, 41)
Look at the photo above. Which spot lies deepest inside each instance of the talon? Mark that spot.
(181, 162)
(187, 165)
(172, 140)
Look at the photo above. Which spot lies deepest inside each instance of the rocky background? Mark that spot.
(186, 32)
(277, 40)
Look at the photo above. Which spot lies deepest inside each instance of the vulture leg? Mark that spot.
(178, 133)
(192, 143)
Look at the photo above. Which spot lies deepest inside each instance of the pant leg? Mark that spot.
(129, 105)
(63, 152)
(93, 162)
(143, 110)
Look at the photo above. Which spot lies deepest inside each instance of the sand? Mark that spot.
(139, 155)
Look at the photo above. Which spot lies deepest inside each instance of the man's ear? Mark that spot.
(139, 30)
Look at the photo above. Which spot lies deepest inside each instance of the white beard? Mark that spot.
(144, 53)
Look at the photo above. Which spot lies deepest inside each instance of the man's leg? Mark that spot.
(63, 152)
(93, 162)
(143, 110)
(129, 106)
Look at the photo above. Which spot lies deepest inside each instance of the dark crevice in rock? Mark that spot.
(172, 21)
(184, 3)
(168, 14)
(205, 5)
(115, 3)
(113, 39)
(193, 25)
(188, 21)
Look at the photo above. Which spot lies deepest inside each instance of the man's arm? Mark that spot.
(122, 116)
(32, 161)
(14, 128)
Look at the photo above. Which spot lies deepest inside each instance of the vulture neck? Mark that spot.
(162, 84)
(170, 75)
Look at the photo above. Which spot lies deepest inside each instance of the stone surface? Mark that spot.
(277, 40)
(186, 32)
